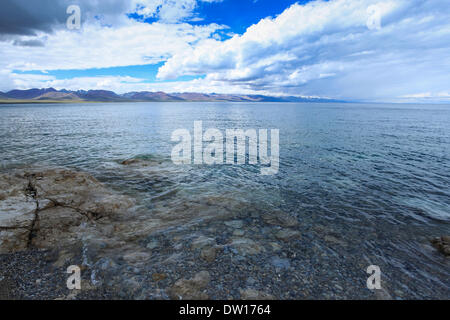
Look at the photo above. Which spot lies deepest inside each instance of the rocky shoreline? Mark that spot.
(210, 248)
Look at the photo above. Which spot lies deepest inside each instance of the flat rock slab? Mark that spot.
(43, 208)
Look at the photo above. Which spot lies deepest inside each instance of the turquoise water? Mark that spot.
(377, 175)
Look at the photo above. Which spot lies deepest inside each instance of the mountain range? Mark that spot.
(53, 95)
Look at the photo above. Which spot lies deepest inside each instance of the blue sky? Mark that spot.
(238, 15)
(146, 72)
(365, 50)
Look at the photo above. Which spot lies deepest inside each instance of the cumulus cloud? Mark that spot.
(100, 47)
(332, 48)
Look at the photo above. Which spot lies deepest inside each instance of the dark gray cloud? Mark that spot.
(25, 17)
(29, 43)
(21, 17)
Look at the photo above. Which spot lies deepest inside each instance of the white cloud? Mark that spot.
(114, 83)
(100, 47)
(326, 48)
(426, 96)
(168, 10)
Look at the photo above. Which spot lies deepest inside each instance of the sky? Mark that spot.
(361, 50)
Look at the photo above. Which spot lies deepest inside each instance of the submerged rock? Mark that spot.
(130, 162)
(158, 277)
(288, 234)
(280, 263)
(202, 242)
(442, 244)
(236, 224)
(334, 240)
(251, 294)
(192, 289)
(136, 257)
(279, 218)
(209, 254)
(141, 162)
(246, 246)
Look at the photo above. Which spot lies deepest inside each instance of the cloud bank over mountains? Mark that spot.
(321, 48)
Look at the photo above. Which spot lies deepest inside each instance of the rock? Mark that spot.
(64, 258)
(238, 233)
(246, 246)
(136, 257)
(13, 185)
(236, 224)
(335, 241)
(208, 254)
(105, 264)
(178, 246)
(442, 244)
(339, 287)
(152, 245)
(132, 288)
(45, 204)
(280, 218)
(205, 208)
(55, 225)
(251, 294)
(192, 289)
(288, 234)
(202, 242)
(17, 213)
(131, 162)
(141, 162)
(79, 191)
(275, 246)
(280, 263)
(45, 208)
(174, 258)
(13, 240)
(158, 277)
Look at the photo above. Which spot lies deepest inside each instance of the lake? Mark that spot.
(369, 183)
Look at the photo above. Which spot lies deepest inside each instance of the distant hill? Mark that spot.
(28, 94)
(58, 96)
(53, 95)
(99, 95)
(190, 96)
(151, 96)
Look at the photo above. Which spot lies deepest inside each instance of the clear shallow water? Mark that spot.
(373, 176)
